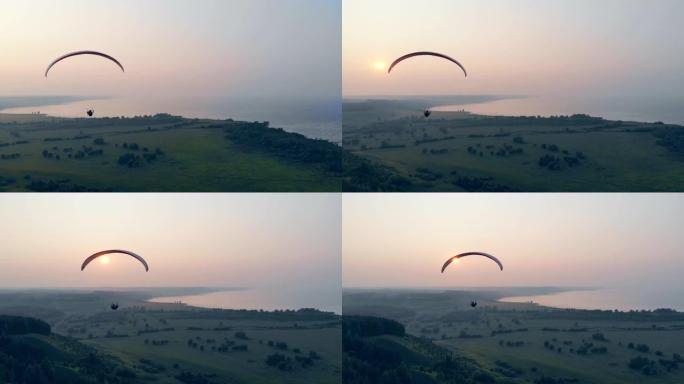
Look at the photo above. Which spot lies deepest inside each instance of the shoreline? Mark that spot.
(196, 301)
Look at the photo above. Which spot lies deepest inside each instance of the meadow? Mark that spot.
(176, 343)
(460, 151)
(525, 342)
(160, 153)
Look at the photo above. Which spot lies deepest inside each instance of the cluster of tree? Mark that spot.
(465, 335)
(154, 330)
(480, 184)
(502, 331)
(210, 344)
(431, 140)
(241, 335)
(361, 175)
(643, 348)
(672, 138)
(280, 361)
(52, 359)
(506, 369)
(131, 160)
(150, 366)
(509, 343)
(10, 156)
(506, 150)
(58, 186)
(285, 363)
(187, 377)
(644, 365)
(432, 151)
(17, 325)
(555, 380)
(426, 174)
(555, 163)
(289, 146)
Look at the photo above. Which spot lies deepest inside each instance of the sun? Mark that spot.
(104, 260)
(379, 66)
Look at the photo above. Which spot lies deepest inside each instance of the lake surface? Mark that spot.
(624, 299)
(627, 109)
(320, 119)
(266, 299)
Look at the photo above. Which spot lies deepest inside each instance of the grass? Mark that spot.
(618, 156)
(84, 319)
(444, 318)
(197, 157)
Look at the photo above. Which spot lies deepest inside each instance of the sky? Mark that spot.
(173, 48)
(608, 48)
(207, 240)
(567, 240)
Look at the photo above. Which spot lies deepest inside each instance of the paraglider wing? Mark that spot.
(102, 253)
(487, 255)
(425, 53)
(77, 53)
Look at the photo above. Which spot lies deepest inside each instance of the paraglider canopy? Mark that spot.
(487, 255)
(426, 53)
(78, 53)
(102, 253)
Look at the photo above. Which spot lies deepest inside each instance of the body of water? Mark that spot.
(320, 119)
(623, 299)
(271, 299)
(626, 109)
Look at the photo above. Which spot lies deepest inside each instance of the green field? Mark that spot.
(459, 151)
(175, 343)
(526, 343)
(160, 153)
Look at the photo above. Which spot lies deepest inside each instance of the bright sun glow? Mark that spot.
(379, 65)
(104, 260)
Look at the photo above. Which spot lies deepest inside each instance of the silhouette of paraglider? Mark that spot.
(427, 113)
(473, 304)
(90, 112)
(115, 306)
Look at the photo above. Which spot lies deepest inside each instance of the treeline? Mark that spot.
(17, 325)
(25, 359)
(289, 146)
(412, 362)
(361, 175)
(672, 138)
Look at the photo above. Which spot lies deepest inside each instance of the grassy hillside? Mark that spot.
(526, 343)
(175, 343)
(31, 354)
(459, 151)
(160, 153)
(378, 350)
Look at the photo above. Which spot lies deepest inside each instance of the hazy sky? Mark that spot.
(172, 48)
(608, 47)
(602, 240)
(233, 240)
